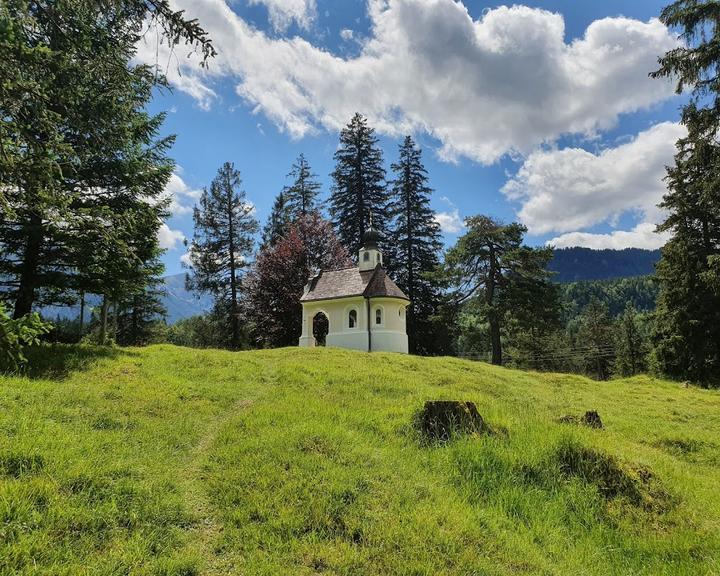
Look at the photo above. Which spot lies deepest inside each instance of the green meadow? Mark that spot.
(172, 461)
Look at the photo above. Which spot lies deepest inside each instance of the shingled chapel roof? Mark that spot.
(346, 282)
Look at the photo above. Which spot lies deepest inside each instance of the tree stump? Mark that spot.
(441, 420)
(592, 419)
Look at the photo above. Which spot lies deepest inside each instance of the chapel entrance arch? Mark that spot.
(320, 328)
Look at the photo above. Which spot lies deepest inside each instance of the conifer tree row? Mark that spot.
(82, 167)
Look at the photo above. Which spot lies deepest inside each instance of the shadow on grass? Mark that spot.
(57, 361)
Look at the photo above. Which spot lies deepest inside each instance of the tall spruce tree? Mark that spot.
(221, 245)
(490, 264)
(76, 141)
(293, 202)
(278, 222)
(414, 245)
(687, 327)
(687, 334)
(301, 195)
(358, 194)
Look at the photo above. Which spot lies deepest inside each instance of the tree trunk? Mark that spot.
(28, 276)
(82, 315)
(495, 341)
(234, 321)
(115, 320)
(493, 318)
(104, 320)
(135, 323)
(410, 275)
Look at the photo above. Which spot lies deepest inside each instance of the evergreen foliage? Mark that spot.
(15, 335)
(82, 166)
(594, 339)
(687, 328)
(221, 245)
(140, 315)
(278, 222)
(631, 341)
(358, 194)
(414, 247)
(641, 292)
(301, 195)
(490, 263)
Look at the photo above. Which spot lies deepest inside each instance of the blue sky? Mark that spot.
(540, 112)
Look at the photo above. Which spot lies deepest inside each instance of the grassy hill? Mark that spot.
(173, 461)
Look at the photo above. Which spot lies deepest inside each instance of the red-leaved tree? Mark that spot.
(276, 281)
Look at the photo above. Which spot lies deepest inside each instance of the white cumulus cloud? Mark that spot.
(185, 260)
(168, 238)
(449, 221)
(570, 189)
(641, 236)
(505, 82)
(182, 197)
(282, 13)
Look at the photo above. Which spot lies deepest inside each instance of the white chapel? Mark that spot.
(359, 307)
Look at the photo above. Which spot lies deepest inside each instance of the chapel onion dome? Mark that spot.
(371, 238)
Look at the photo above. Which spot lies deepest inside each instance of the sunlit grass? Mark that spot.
(174, 461)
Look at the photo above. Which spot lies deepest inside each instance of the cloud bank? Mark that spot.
(571, 189)
(504, 83)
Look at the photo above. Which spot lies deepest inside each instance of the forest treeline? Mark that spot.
(82, 199)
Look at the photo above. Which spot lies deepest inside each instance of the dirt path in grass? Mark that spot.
(205, 534)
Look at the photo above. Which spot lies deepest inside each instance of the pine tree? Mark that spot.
(301, 195)
(77, 143)
(630, 348)
(222, 242)
(278, 222)
(533, 327)
(414, 245)
(687, 327)
(358, 194)
(488, 263)
(141, 313)
(594, 340)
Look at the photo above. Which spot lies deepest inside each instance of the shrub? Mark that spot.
(15, 335)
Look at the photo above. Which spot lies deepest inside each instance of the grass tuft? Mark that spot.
(16, 465)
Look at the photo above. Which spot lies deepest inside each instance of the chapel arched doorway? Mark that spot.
(320, 328)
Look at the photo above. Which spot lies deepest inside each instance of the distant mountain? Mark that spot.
(180, 303)
(577, 264)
